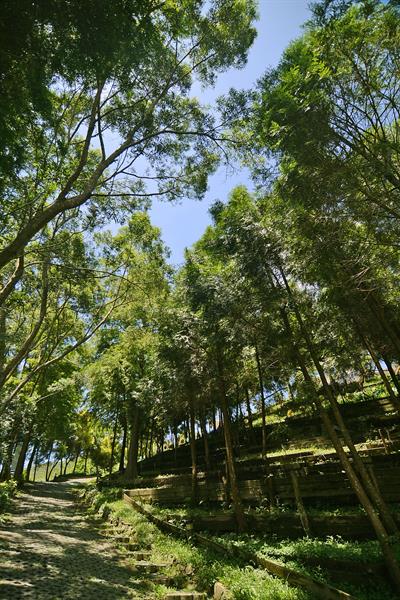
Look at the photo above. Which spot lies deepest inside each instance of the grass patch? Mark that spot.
(297, 553)
(199, 566)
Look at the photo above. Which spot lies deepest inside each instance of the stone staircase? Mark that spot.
(139, 557)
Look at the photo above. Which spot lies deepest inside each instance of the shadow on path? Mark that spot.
(49, 552)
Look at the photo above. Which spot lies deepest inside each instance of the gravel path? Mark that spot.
(48, 551)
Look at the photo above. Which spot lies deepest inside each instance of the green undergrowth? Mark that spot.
(313, 557)
(200, 566)
(7, 491)
(303, 555)
(186, 513)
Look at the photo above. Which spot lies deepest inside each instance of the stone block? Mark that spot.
(221, 592)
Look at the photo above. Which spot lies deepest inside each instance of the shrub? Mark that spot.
(7, 491)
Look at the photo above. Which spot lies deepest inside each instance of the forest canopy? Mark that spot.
(110, 354)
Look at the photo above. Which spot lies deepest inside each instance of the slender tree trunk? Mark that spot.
(67, 461)
(51, 470)
(151, 437)
(85, 464)
(203, 426)
(175, 433)
(263, 416)
(19, 468)
(123, 447)
(114, 438)
(393, 375)
(382, 374)
(299, 503)
(48, 461)
(214, 418)
(31, 459)
(374, 492)
(193, 451)
(131, 471)
(380, 531)
(2, 337)
(230, 459)
(6, 468)
(379, 313)
(249, 414)
(34, 470)
(76, 462)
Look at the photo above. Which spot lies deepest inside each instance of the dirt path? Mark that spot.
(49, 552)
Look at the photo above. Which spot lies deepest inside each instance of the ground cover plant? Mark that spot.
(203, 566)
(7, 491)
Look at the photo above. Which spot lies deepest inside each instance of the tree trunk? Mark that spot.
(76, 462)
(380, 531)
(193, 451)
(6, 468)
(48, 461)
(34, 470)
(85, 463)
(31, 459)
(19, 468)
(299, 503)
(263, 417)
(51, 470)
(131, 471)
(203, 426)
(230, 459)
(151, 437)
(373, 492)
(393, 375)
(249, 414)
(110, 468)
(2, 338)
(382, 374)
(379, 313)
(123, 447)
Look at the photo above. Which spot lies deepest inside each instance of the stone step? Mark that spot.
(185, 596)
(121, 539)
(141, 555)
(144, 566)
(158, 579)
(133, 547)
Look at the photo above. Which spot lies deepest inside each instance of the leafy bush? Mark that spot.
(7, 491)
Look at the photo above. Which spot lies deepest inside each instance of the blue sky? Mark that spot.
(184, 223)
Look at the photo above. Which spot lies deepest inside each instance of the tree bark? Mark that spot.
(6, 468)
(380, 531)
(48, 461)
(230, 459)
(19, 468)
(31, 459)
(193, 451)
(76, 462)
(263, 416)
(114, 438)
(381, 372)
(373, 492)
(393, 375)
(131, 471)
(85, 463)
(203, 426)
(123, 447)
